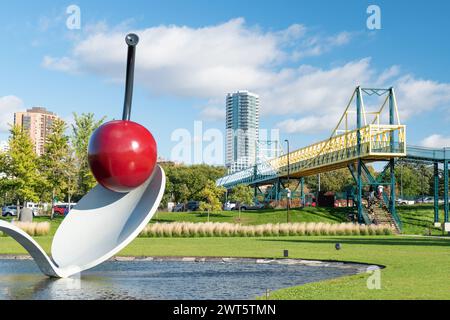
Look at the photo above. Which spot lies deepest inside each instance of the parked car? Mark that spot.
(34, 208)
(228, 206)
(193, 205)
(10, 211)
(257, 206)
(64, 208)
(180, 207)
(405, 202)
(425, 200)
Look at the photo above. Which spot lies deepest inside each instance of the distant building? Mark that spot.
(38, 122)
(242, 130)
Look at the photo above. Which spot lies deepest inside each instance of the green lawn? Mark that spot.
(416, 267)
(310, 214)
(419, 219)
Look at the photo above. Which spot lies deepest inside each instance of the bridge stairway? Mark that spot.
(379, 214)
(378, 211)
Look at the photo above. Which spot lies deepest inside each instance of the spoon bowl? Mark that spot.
(99, 226)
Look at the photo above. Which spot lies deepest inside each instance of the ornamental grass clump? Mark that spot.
(37, 229)
(216, 229)
(284, 229)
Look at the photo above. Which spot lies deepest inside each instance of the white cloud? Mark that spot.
(436, 141)
(418, 95)
(64, 64)
(320, 91)
(310, 125)
(9, 105)
(207, 62)
(202, 62)
(314, 46)
(213, 113)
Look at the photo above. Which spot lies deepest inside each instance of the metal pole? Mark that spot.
(358, 148)
(131, 40)
(401, 181)
(392, 145)
(288, 172)
(255, 191)
(446, 191)
(436, 192)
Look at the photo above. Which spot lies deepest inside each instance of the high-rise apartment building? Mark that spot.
(38, 122)
(242, 130)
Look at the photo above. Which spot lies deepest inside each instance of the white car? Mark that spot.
(405, 202)
(228, 206)
(10, 211)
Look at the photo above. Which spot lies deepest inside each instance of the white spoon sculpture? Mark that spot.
(103, 222)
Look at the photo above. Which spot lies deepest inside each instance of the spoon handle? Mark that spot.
(131, 40)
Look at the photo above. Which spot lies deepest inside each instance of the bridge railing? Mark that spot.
(375, 141)
(423, 153)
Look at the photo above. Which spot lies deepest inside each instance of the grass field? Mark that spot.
(416, 267)
(417, 219)
(309, 214)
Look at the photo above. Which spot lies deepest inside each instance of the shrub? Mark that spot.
(283, 229)
(363, 230)
(209, 229)
(259, 230)
(34, 228)
(267, 230)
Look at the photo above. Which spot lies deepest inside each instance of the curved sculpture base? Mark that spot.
(101, 225)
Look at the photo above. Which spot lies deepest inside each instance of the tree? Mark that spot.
(210, 197)
(241, 194)
(82, 129)
(187, 182)
(55, 162)
(21, 176)
(6, 196)
(414, 179)
(336, 180)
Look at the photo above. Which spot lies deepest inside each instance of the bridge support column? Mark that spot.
(302, 193)
(392, 171)
(278, 188)
(446, 222)
(392, 147)
(436, 195)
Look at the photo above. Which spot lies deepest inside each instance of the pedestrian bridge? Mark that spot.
(370, 141)
(335, 153)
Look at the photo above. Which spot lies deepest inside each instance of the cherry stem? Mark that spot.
(131, 40)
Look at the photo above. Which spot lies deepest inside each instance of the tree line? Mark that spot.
(61, 172)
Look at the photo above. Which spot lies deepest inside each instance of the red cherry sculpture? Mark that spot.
(122, 155)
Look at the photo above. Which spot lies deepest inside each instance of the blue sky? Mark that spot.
(303, 57)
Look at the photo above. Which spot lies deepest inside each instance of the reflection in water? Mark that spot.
(21, 279)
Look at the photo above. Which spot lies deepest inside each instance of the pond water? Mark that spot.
(21, 279)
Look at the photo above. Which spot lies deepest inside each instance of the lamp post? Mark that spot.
(288, 190)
